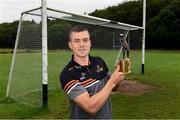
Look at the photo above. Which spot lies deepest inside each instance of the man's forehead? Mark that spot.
(80, 34)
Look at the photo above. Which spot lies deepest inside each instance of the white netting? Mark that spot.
(26, 73)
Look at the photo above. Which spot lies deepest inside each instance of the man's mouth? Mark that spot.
(82, 50)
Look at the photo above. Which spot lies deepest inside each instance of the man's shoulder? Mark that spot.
(96, 58)
(67, 68)
(66, 74)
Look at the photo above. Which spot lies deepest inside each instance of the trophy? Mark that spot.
(125, 65)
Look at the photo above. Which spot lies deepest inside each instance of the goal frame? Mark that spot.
(99, 22)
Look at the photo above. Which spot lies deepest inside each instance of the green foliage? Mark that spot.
(57, 34)
(8, 34)
(162, 25)
(154, 6)
(123, 13)
(163, 30)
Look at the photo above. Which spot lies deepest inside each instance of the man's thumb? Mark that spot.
(117, 67)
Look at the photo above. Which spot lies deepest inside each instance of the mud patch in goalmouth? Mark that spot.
(132, 88)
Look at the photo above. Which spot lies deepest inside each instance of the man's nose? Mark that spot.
(81, 43)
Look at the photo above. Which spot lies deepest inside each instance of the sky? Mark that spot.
(10, 10)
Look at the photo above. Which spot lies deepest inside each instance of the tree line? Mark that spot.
(162, 20)
(162, 25)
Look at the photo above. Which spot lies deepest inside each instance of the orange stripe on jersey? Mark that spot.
(69, 84)
(89, 82)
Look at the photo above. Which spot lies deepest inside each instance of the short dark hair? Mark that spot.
(77, 28)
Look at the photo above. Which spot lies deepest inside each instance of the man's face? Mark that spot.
(80, 43)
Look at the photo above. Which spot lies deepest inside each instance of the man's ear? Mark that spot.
(69, 44)
(90, 43)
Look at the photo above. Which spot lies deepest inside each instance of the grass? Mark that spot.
(161, 71)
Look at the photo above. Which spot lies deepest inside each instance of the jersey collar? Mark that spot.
(78, 65)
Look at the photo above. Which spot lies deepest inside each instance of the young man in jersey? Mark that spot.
(87, 80)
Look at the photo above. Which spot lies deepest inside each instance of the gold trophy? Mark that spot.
(125, 65)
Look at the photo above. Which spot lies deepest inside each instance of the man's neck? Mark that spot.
(83, 61)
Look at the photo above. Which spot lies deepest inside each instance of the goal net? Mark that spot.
(25, 78)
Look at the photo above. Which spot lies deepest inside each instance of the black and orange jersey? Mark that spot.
(76, 79)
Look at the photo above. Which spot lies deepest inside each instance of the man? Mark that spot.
(87, 80)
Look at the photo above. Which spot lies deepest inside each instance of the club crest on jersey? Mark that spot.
(99, 68)
(83, 76)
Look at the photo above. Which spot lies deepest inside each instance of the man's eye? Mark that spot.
(85, 40)
(76, 41)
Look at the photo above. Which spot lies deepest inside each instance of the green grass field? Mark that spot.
(162, 71)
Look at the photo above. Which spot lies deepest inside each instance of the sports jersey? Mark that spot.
(76, 79)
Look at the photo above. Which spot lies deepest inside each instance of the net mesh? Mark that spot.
(26, 75)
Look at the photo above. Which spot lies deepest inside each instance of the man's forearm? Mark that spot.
(100, 98)
(92, 104)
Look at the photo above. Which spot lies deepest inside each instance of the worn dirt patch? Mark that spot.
(132, 88)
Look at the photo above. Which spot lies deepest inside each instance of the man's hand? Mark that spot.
(117, 76)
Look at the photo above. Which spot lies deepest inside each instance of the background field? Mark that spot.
(162, 71)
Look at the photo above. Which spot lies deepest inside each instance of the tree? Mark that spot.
(163, 30)
(8, 34)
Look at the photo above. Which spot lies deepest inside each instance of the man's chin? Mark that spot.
(82, 56)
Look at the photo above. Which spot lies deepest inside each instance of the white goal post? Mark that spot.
(44, 54)
(47, 13)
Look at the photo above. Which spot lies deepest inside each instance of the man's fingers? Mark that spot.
(117, 67)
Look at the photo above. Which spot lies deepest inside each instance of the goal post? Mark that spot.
(14, 55)
(30, 62)
(44, 53)
(143, 36)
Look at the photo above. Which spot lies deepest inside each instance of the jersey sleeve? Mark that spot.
(70, 85)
